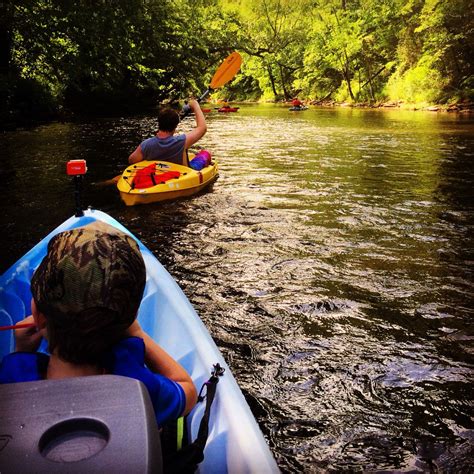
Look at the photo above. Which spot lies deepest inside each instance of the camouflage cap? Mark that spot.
(88, 268)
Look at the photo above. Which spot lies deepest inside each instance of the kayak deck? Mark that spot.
(188, 183)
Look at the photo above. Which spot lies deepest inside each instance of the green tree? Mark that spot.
(350, 44)
(107, 56)
(272, 33)
(435, 51)
(114, 56)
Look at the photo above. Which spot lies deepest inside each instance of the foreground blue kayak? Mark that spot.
(235, 442)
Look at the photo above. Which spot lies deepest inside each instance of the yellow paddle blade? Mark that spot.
(227, 70)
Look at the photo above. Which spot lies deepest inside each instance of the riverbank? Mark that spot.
(466, 106)
(65, 115)
(463, 107)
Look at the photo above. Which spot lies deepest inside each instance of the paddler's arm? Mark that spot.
(136, 156)
(201, 128)
(158, 360)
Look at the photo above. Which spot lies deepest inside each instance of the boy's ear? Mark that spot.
(40, 319)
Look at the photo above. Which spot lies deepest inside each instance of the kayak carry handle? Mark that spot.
(217, 370)
(77, 169)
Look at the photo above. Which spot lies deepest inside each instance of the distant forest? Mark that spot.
(121, 56)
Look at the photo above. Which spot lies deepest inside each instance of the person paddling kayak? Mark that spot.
(296, 102)
(186, 110)
(165, 145)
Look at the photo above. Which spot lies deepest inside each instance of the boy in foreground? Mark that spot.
(86, 295)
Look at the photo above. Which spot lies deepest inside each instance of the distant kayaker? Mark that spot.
(86, 295)
(186, 110)
(296, 102)
(165, 145)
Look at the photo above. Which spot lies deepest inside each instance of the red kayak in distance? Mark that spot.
(206, 111)
(228, 109)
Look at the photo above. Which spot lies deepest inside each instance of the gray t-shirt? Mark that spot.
(164, 149)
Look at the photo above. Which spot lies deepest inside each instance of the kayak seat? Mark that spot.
(21, 288)
(12, 305)
(92, 424)
(12, 310)
(6, 337)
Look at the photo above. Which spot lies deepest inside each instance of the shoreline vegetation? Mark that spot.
(465, 107)
(59, 60)
(460, 107)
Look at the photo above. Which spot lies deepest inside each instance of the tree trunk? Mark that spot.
(369, 81)
(347, 78)
(371, 88)
(272, 80)
(283, 84)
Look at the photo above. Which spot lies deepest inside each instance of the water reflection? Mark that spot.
(331, 262)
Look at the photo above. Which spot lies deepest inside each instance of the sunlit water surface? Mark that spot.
(332, 263)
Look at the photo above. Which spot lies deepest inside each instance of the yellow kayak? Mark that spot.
(153, 181)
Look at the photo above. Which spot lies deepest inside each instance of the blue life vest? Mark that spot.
(127, 358)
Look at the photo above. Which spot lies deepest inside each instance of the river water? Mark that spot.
(332, 263)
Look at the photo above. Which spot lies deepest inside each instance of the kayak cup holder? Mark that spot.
(74, 440)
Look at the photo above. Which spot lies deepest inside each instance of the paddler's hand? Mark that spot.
(28, 339)
(194, 104)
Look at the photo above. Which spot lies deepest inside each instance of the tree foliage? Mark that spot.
(104, 56)
(358, 50)
(121, 55)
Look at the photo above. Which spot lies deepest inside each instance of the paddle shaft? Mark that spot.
(203, 96)
(17, 326)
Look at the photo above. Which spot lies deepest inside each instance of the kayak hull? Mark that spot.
(189, 183)
(228, 109)
(235, 443)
